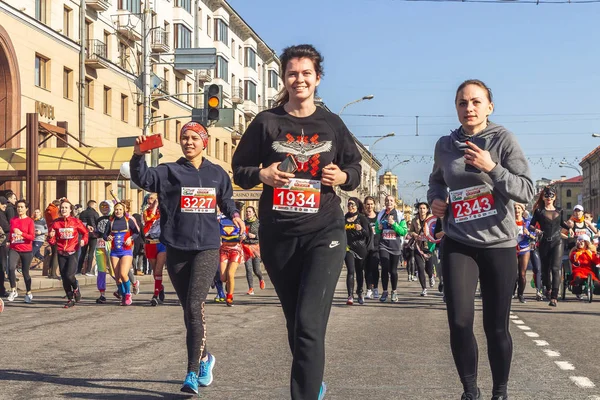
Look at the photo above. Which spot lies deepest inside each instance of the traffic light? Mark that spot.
(213, 96)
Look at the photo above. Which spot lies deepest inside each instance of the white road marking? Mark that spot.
(532, 334)
(594, 398)
(541, 343)
(565, 365)
(518, 321)
(552, 353)
(583, 382)
(524, 327)
(513, 316)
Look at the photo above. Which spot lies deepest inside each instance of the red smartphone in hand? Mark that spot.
(151, 143)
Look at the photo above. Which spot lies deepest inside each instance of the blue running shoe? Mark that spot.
(205, 375)
(190, 385)
(322, 391)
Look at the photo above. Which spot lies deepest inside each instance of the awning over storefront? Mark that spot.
(66, 163)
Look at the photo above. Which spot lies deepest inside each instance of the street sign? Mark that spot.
(196, 58)
(155, 81)
(226, 117)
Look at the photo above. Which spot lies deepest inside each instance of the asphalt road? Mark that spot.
(380, 351)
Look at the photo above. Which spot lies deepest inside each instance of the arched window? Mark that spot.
(568, 192)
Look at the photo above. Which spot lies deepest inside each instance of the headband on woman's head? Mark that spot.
(199, 129)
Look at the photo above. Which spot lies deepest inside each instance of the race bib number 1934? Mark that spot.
(472, 203)
(300, 195)
(198, 200)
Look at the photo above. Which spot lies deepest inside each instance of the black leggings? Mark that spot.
(191, 273)
(551, 257)
(389, 268)
(355, 267)
(424, 267)
(496, 269)
(523, 262)
(304, 271)
(13, 260)
(372, 269)
(411, 268)
(68, 267)
(253, 264)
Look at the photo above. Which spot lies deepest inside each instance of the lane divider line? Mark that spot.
(583, 382)
(524, 327)
(518, 321)
(551, 353)
(542, 343)
(565, 365)
(532, 334)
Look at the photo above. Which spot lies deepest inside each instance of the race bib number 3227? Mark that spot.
(472, 203)
(198, 200)
(300, 195)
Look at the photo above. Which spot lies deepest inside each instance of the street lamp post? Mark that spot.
(368, 97)
(391, 134)
(564, 164)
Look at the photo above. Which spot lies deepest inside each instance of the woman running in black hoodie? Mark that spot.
(189, 191)
(358, 235)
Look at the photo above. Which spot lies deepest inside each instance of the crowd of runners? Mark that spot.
(473, 234)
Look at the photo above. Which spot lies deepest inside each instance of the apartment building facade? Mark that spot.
(590, 167)
(40, 48)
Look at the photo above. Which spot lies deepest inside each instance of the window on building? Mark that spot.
(225, 152)
(250, 59)
(222, 69)
(569, 206)
(154, 115)
(133, 6)
(67, 21)
(139, 111)
(124, 108)
(221, 31)
(232, 48)
(240, 58)
(185, 4)
(258, 69)
(166, 127)
(41, 10)
(121, 189)
(208, 26)
(190, 96)
(568, 192)
(42, 71)
(123, 55)
(89, 93)
(68, 83)
(178, 86)
(89, 29)
(273, 79)
(177, 129)
(217, 149)
(107, 48)
(165, 83)
(106, 100)
(183, 37)
(250, 91)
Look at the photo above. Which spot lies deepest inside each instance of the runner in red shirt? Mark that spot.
(156, 252)
(64, 233)
(22, 233)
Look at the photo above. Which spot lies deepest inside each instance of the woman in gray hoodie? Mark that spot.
(479, 172)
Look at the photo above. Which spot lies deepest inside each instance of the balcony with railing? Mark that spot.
(238, 130)
(95, 54)
(160, 41)
(204, 76)
(98, 5)
(237, 94)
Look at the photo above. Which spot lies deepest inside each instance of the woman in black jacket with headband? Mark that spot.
(358, 234)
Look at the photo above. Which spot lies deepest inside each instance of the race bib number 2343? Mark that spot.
(472, 203)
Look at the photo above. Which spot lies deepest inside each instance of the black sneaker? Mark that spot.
(522, 299)
(77, 295)
(161, 295)
(502, 397)
(70, 304)
(441, 287)
(101, 300)
(154, 301)
(552, 303)
(469, 396)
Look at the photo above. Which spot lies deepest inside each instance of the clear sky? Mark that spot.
(541, 61)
